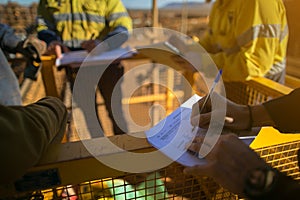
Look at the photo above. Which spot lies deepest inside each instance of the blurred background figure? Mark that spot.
(78, 24)
(31, 48)
(246, 43)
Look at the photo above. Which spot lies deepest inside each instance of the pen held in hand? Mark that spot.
(210, 91)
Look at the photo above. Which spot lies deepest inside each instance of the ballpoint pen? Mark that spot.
(210, 93)
(205, 102)
(211, 90)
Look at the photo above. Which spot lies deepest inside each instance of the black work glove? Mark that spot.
(31, 70)
(32, 48)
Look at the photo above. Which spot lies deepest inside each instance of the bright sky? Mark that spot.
(127, 3)
(148, 3)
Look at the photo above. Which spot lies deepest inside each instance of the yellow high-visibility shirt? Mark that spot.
(75, 21)
(247, 38)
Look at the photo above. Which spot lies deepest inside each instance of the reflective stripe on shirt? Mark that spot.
(79, 17)
(262, 30)
(116, 16)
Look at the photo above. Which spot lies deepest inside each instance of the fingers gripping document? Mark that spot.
(173, 135)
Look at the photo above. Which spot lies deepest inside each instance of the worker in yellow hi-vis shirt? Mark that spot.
(248, 38)
(70, 25)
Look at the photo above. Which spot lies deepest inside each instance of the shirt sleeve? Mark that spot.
(121, 35)
(45, 22)
(254, 43)
(285, 112)
(119, 23)
(26, 133)
(8, 39)
(117, 15)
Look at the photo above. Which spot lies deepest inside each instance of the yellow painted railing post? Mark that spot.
(48, 62)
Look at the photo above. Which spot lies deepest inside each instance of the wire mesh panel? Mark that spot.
(254, 91)
(170, 182)
(283, 157)
(167, 183)
(242, 93)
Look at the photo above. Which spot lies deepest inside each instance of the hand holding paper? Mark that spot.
(174, 134)
(228, 163)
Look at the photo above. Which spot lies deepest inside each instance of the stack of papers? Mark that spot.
(78, 57)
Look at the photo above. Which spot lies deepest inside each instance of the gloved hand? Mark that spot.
(32, 48)
(31, 70)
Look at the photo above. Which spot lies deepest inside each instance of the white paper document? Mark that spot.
(75, 57)
(174, 134)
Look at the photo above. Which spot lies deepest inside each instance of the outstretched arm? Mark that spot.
(282, 113)
(26, 133)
